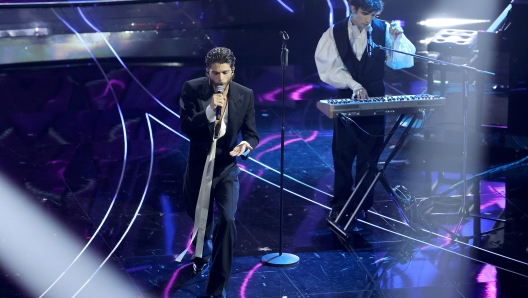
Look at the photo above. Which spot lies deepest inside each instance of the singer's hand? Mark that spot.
(395, 30)
(361, 94)
(240, 148)
(218, 101)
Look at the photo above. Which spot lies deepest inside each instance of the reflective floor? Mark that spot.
(106, 169)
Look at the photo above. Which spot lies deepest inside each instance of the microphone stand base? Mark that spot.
(279, 260)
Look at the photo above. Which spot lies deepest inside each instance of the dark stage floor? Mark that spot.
(91, 195)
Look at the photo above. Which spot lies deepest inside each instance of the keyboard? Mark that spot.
(386, 105)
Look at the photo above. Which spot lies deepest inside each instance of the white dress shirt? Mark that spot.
(211, 114)
(331, 68)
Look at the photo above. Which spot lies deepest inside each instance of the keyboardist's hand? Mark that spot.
(361, 94)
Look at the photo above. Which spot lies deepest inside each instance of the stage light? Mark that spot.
(36, 248)
(450, 22)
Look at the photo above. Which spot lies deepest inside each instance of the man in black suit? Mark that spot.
(214, 110)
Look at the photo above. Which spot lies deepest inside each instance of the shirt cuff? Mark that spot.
(211, 115)
(355, 86)
(244, 142)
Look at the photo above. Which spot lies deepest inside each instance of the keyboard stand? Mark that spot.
(372, 167)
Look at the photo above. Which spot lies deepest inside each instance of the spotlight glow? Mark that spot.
(449, 22)
(36, 247)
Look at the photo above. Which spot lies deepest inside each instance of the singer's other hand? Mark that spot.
(218, 101)
(240, 148)
(361, 94)
(395, 30)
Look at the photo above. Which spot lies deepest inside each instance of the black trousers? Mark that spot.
(345, 150)
(220, 237)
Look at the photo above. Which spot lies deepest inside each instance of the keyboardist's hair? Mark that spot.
(367, 5)
(220, 55)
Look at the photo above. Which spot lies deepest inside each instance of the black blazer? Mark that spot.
(196, 96)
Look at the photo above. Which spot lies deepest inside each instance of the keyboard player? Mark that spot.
(346, 60)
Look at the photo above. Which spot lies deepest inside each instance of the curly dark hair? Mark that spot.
(367, 5)
(220, 55)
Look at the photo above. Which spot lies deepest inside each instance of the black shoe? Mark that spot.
(200, 267)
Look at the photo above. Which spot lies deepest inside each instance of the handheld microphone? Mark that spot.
(369, 41)
(219, 90)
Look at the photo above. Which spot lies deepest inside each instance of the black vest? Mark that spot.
(369, 71)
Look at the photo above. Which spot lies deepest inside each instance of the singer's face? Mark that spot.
(362, 18)
(220, 74)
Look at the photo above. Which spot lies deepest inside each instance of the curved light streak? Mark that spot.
(270, 96)
(135, 213)
(124, 66)
(290, 177)
(309, 139)
(166, 291)
(347, 8)
(331, 14)
(312, 137)
(285, 6)
(297, 94)
(124, 156)
(277, 147)
(269, 139)
(110, 82)
(246, 280)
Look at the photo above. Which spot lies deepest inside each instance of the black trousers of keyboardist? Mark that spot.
(345, 149)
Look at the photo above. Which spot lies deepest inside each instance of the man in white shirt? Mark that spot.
(345, 61)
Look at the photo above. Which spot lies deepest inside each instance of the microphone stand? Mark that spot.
(464, 210)
(281, 259)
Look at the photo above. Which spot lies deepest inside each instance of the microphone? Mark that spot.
(369, 41)
(219, 90)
